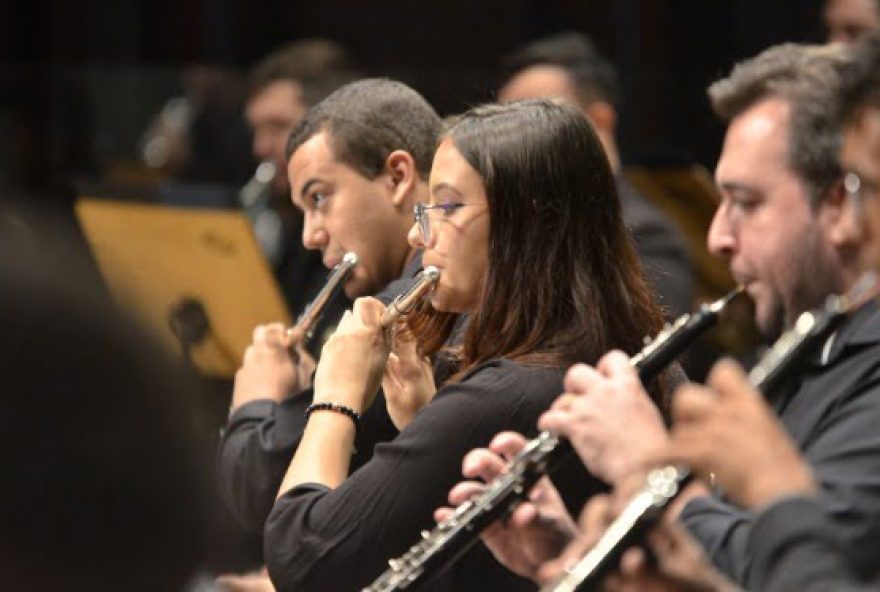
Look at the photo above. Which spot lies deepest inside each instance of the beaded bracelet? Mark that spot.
(337, 408)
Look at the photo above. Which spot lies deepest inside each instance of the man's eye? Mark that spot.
(745, 204)
(318, 199)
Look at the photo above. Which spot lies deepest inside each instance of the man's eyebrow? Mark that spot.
(736, 187)
(307, 186)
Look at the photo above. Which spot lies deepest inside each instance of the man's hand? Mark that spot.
(536, 531)
(267, 372)
(608, 417)
(728, 416)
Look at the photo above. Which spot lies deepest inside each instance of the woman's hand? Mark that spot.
(408, 382)
(353, 359)
(268, 371)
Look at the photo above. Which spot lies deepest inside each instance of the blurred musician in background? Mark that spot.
(105, 485)
(847, 21)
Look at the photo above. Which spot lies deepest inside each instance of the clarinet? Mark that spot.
(306, 322)
(662, 486)
(449, 540)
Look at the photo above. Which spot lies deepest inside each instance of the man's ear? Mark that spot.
(842, 217)
(402, 176)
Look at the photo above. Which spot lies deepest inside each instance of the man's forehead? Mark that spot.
(313, 157)
(538, 82)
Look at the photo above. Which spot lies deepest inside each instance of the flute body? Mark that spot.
(310, 316)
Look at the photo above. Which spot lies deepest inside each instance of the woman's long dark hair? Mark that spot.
(563, 282)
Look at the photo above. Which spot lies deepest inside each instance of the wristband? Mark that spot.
(336, 408)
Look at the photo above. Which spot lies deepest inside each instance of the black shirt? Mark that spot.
(833, 415)
(324, 539)
(795, 548)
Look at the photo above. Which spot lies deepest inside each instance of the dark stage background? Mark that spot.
(80, 80)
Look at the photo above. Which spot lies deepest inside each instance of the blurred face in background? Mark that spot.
(860, 160)
(539, 82)
(272, 112)
(848, 20)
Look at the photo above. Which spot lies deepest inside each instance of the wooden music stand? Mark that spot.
(199, 270)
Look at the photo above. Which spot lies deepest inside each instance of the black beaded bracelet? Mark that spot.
(337, 408)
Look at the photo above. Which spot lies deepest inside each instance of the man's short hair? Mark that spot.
(592, 76)
(860, 80)
(806, 76)
(369, 119)
(318, 65)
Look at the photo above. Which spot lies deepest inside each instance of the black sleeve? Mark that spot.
(340, 539)
(794, 547)
(845, 457)
(259, 443)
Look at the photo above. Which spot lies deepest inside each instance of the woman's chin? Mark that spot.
(439, 303)
(444, 302)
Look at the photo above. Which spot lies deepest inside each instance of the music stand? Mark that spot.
(194, 275)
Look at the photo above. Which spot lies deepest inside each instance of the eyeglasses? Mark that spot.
(423, 216)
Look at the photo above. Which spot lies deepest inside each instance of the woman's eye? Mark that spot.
(449, 209)
(318, 199)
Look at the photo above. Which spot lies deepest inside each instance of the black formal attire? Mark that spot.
(317, 538)
(832, 412)
(261, 437)
(795, 548)
(661, 249)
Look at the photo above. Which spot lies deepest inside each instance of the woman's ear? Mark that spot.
(403, 176)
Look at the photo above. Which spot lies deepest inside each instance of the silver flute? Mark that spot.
(451, 539)
(407, 301)
(308, 319)
(662, 486)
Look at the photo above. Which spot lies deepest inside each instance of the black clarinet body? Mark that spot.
(810, 331)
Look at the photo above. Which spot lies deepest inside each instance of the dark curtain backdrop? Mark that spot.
(54, 53)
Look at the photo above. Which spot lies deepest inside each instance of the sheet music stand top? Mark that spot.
(152, 257)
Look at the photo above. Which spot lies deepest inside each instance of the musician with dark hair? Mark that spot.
(525, 227)
(357, 164)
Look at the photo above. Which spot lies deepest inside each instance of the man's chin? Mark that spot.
(357, 287)
(770, 323)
